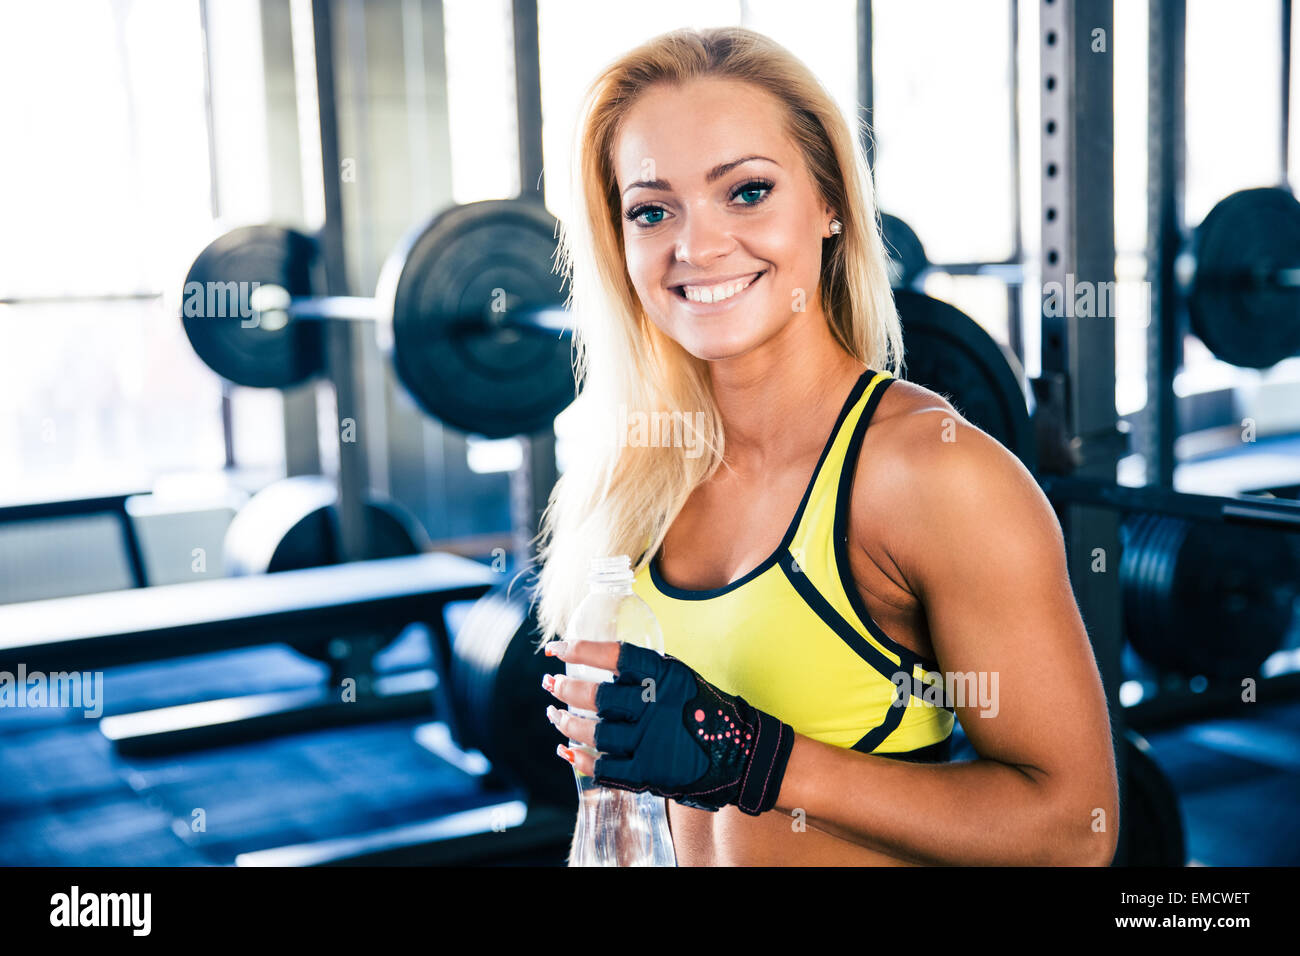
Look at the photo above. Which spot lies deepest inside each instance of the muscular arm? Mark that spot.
(977, 542)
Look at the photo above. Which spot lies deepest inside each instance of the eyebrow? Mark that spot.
(714, 174)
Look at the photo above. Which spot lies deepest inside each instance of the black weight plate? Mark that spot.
(1151, 822)
(1239, 316)
(1214, 600)
(1235, 591)
(496, 675)
(292, 524)
(947, 351)
(257, 356)
(491, 380)
(907, 258)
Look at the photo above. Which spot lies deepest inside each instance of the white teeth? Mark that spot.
(717, 293)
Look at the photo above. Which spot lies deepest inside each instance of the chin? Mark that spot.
(716, 351)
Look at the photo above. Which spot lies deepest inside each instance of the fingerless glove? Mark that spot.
(664, 729)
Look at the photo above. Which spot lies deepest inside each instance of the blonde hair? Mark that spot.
(614, 498)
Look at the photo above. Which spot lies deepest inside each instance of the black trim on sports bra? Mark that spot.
(843, 498)
(845, 631)
(940, 752)
(688, 594)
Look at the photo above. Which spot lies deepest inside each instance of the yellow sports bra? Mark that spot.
(793, 636)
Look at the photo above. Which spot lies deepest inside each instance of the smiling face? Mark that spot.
(722, 223)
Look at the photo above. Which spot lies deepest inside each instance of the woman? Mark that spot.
(824, 587)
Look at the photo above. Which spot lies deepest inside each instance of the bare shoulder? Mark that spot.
(925, 475)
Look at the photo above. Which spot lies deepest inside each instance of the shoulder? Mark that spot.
(925, 476)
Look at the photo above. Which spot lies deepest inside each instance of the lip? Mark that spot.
(711, 308)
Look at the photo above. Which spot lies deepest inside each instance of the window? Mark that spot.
(107, 199)
(579, 37)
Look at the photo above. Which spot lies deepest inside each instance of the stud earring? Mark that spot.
(836, 227)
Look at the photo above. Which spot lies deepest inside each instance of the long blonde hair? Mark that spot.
(616, 498)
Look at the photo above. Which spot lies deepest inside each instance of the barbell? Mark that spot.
(467, 306)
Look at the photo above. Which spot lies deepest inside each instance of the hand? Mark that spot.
(662, 728)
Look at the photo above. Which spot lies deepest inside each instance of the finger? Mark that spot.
(583, 762)
(635, 664)
(617, 769)
(577, 728)
(620, 701)
(602, 654)
(572, 690)
(617, 738)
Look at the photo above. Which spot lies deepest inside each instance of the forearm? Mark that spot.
(972, 813)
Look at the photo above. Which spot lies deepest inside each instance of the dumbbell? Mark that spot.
(467, 307)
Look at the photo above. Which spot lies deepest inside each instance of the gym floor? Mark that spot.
(71, 800)
(1237, 782)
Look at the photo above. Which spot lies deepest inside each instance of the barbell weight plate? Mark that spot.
(218, 318)
(1201, 599)
(496, 688)
(947, 351)
(1235, 308)
(1151, 821)
(292, 524)
(452, 285)
(907, 259)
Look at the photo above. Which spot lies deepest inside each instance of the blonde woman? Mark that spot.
(833, 553)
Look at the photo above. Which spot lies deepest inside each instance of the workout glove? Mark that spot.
(682, 738)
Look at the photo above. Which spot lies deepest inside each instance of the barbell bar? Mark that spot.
(273, 307)
(1280, 514)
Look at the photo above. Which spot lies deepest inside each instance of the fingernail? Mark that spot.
(548, 682)
(564, 752)
(551, 712)
(556, 648)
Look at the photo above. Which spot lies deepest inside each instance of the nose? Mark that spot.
(703, 235)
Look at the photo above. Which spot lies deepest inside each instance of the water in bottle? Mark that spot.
(615, 827)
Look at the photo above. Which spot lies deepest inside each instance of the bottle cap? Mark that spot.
(613, 570)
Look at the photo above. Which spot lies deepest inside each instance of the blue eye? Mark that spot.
(635, 214)
(756, 190)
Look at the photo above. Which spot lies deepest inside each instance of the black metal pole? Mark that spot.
(866, 84)
(531, 483)
(342, 338)
(1078, 352)
(1286, 94)
(528, 99)
(1166, 39)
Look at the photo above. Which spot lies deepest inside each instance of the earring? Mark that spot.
(836, 227)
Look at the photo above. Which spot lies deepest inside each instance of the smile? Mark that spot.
(719, 292)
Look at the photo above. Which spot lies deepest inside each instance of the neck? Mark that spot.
(800, 376)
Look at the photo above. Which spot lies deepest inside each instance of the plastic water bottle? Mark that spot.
(615, 827)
